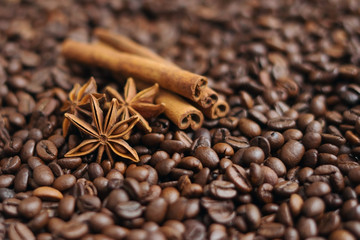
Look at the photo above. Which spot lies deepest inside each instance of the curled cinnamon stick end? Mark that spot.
(179, 81)
(218, 110)
(208, 98)
(179, 111)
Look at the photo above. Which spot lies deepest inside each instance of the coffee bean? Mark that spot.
(172, 146)
(328, 223)
(74, 230)
(48, 193)
(276, 165)
(29, 207)
(21, 180)
(10, 207)
(237, 175)
(341, 234)
(139, 173)
(249, 128)
(291, 153)
(194, 229)
(207, 156)
(222, 189)
(6, 193)
(252, 155)
(95, 170)
(280, 124)
(271, 230)
(251, 215)
(39, 221)
(46, 150)
(66, 207)
(69, 163)
(286, 188)
(10, 165)
(128, 210)
(43, 175)
(64, 182)
(20, 231)
(307, 227)
(313, 207)
(275, 139)
(156, 210)
(284, 216)
(6, 180)
(318, 189)
(100, 221)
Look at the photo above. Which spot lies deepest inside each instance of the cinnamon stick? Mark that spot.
(218, 110)
(179, 81)
(207, 97)
(177, 110)
(127, 45)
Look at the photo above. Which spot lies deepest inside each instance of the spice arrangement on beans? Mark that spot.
(283, 164)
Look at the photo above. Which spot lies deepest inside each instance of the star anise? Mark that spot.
(141, 103)
(79, 101)
(107, 135)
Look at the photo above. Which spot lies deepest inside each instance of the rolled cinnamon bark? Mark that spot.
(218, 110)
(177, 109)
(207, 96)
(127, 45)
(179, 81)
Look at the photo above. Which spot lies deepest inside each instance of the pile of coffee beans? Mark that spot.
(284, 164)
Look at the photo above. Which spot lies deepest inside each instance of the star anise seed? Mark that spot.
(107, 135)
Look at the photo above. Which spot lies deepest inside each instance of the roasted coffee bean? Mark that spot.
(66, 207)
(251, 215)
(172, 146)
(20, 231)
(318, 189)
(280, 124)
(128, 210)
(271, 230)
(95, 170)
(10, 207)
(74, 230)
(313, 207)
(64, 182)
(69, 163)
(39, 221)
(249, 128)
(237, 175)
(276, 165)
(328, 223)
(252, 155)
(6, 180)
(100, 221)
(341, 234)
(291, 153)
(156, 210)
(48, 193)
(207, 156)
(29, 207)
(222, 189)
(46, 150)
(6, 193)
(139, 173)
(88, 203)
(43, 176)
(10, 165)
(275, 139)
(21, 180)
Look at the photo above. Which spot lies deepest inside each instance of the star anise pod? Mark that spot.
(79, 101)
(141, 103)
(107, 135)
